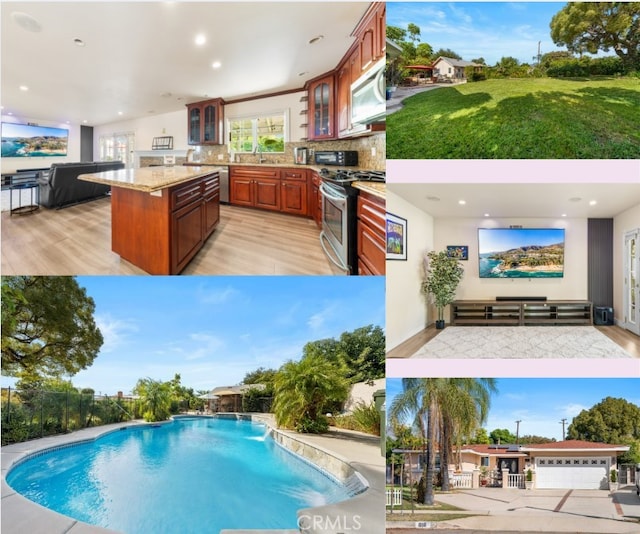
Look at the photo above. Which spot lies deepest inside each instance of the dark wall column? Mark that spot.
(86, 143)
(600, 261)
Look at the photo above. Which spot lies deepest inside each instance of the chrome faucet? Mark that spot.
(258, 150)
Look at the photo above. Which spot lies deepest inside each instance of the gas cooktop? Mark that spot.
(345, 176)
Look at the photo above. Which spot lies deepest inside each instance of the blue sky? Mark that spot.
(501, 239)
(541, 403)
(491, 30)
(213, 330)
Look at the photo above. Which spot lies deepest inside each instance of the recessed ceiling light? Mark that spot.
(200, 39)
(26, 22)
(433, 199)
(316, 39)
(78, 42)
(564, 214)
(68, 122)
(85, 121)
(10, 113)
(24, 88)
(119, 112)
(486, 215)
(575, 199)
(462, 202)
(216, 65)
(593, 202)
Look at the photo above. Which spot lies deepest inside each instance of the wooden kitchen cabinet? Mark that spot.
(322, 108)
(211, 197)
(294, 192)
(255, 187)
(205, 122)
(371, 36)
(371, 234)
(315, 199)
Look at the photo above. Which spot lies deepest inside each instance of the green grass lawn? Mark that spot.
(540, 118)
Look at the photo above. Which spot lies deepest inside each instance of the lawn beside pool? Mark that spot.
(531, 118)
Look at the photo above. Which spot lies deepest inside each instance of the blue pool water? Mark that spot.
(189, 476)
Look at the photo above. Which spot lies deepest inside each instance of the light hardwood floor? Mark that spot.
(622, 337)
(77, 241)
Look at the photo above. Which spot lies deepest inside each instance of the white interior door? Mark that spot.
(631, 288)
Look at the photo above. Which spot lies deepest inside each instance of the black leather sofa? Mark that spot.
(60, 187)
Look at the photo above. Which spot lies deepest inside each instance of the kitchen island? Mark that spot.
(161, 216)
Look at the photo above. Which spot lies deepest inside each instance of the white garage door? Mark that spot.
(572, 473)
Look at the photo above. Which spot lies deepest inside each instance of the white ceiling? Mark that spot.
(520, 200)
(137, 51)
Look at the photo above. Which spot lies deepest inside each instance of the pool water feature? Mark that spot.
(191, 475)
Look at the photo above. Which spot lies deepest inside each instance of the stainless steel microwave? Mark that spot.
(368, 100)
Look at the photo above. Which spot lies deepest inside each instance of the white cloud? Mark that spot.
(115, 332)
(219, 295)
(572, 409)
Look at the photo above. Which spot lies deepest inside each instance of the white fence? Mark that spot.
(461, 480)
(394, 497)
(516, 481)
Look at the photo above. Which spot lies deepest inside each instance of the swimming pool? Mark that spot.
(191, 475)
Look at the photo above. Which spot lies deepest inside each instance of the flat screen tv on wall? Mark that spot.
(28, 140)
(521, 252)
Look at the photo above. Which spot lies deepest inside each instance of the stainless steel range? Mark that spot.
(339, 214)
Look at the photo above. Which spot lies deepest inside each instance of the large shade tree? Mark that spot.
(592, 26)
(48, 327)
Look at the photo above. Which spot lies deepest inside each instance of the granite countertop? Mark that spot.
(149, 179)
(377, 189)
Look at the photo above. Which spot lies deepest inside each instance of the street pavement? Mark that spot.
(504, 510)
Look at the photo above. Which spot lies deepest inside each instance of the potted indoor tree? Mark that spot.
(442, 276)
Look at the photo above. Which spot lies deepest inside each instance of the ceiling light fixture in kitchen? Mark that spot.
(200, 39)
(24, 88)
(593, 202)
(462, 202)
(216, 65)
(316, 39)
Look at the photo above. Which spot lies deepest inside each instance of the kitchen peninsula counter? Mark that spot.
(161, 216)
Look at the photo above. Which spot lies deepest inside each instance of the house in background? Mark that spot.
(452, 70)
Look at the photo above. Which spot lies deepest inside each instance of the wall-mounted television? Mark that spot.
(521, 252)
(29, 140)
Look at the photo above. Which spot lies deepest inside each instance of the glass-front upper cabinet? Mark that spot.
(321, 109)
(205, 122)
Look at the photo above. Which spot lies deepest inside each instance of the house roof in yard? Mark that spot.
(575, 445)
(458, 62)
(419, 67)
(488, 450)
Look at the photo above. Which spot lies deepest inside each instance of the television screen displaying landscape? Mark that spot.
(26, 140)
(521, 252)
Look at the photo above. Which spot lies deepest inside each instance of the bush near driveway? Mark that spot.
(540, 118)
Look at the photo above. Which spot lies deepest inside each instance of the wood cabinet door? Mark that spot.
(194, 114)
(371, 250)
(343, 98)
(294, 197)
(267, 194)
(211, 216)
(241, 191)
(381, 30)
(368, 46)
(322, 109)
(186, 235)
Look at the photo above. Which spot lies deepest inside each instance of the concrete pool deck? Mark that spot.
(358, 450)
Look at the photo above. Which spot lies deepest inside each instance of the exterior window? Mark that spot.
(265, 133)
(118, 147)
(449, 70)
(484, 461)
(542, 462)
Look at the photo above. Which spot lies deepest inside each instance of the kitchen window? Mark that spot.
(265, 133)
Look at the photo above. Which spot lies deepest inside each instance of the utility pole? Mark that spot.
(563, 422)
(539, 52)
(518, 431)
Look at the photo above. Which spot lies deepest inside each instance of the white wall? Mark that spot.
(9, 165)
(406, 306)
(573, 286)
(622, 223)
(175, 123)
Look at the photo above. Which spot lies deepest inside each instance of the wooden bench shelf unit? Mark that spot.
(521, 313)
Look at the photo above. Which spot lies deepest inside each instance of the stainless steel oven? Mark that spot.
(334, 236)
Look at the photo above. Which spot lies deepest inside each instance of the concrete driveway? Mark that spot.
(504, 510)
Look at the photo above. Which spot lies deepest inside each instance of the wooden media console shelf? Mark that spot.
(521, 313)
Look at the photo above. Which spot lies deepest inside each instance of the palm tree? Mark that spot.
(305, 390)
(444, 410)
(155, 397)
